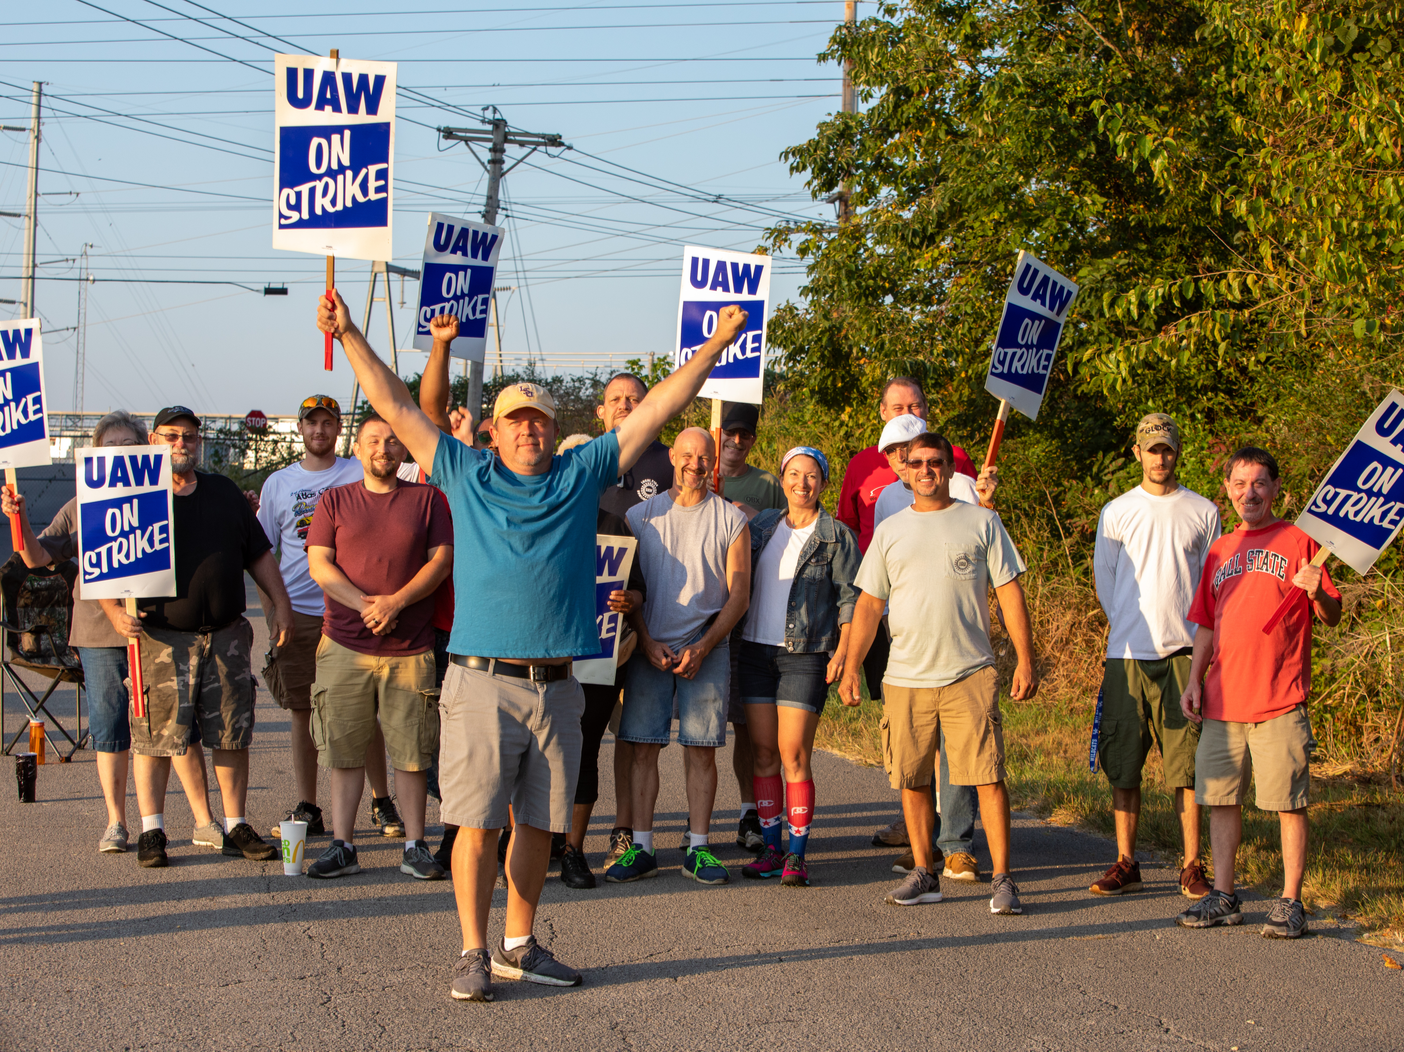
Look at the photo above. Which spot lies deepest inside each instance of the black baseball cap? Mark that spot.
(740, 416)
(174, 412)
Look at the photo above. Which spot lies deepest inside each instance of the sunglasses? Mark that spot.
(935, 462)
(326, 402)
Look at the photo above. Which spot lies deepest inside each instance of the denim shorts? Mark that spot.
(774, 676)
(105, 684)
(649, 695)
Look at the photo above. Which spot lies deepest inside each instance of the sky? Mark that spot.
(156, 153)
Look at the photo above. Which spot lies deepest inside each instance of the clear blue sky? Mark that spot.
(704, 95)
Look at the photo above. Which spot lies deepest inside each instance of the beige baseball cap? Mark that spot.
(1155, 428)
(519, 396)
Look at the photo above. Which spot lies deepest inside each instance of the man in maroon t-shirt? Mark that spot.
(378, 549)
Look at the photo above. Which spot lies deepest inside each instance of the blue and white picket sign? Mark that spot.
(24, 422)
(124, 522)
(1358, 509)
(613, 558)
(460, 264)
(1035, 310)
(713, 278)
(333, 156)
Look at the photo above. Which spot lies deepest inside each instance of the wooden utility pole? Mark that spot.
(31, 212)
(850, 105)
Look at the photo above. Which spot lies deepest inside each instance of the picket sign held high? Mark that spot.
(24, 418)
(714, 278)
(457, 276)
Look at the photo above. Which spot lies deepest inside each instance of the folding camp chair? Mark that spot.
(37, 612)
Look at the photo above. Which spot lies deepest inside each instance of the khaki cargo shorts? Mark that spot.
(967, 711)
(353, 691)
(196, 679)
(1276, 754)
(290, 669)
(1141, 708)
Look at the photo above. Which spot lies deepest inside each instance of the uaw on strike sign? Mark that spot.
(1035, 310)
(460, 264)
(614, 556)
(24, 426)
(334, 155)
(713, 278)
(124, 522)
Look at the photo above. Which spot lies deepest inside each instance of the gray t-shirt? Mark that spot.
(935, 569)
(90, 626)
(682, 553)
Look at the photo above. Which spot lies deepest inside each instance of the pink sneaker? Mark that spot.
(796, 873)
(770, 864)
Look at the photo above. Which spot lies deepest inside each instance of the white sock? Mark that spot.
(747, 809)
(698, 839)
(515, 943)
(643, 840)
(410, 843)
(150, 822)
(230, 823)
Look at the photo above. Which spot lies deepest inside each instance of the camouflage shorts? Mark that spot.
(194, 679)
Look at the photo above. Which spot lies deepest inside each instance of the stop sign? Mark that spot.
(256, 421)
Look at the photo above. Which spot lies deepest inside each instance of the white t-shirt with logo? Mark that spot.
(285, 510)
(774, 574)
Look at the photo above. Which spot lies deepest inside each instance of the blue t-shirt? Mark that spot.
(524, 555)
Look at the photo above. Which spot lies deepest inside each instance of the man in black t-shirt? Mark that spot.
(196, 660)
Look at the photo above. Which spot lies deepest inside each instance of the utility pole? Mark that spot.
(379, 268)
(80, 359)
(497, 138)
(850, 105)
(31, 215)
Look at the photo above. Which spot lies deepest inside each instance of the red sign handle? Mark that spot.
(16, 533)
(134, 669)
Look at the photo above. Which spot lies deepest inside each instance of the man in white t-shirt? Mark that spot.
(935, 563)
(1150, 550)
(285, 508)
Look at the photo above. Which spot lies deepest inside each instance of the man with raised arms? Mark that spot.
(525, 585)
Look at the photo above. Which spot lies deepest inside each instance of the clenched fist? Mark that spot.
(444, 328)
(731, 322)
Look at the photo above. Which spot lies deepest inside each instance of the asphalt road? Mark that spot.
(219, 953)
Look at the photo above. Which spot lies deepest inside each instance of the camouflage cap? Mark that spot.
(1156, 428)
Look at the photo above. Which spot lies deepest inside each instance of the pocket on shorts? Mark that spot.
(885, 727)
(273, 676)
(429, 725)
(962, 561)
(318, 728)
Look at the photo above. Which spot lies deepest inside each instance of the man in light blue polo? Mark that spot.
(524, 584)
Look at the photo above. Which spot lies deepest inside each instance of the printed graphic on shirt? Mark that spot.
(1255, 560)
(304, 503)
(647, 489)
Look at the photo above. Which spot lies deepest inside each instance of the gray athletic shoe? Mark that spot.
(1004, 898)
(1214, 909)
(534, 963)
(1286, 921)
(420, 863)
(211, 834)
(472, 977)
(920, 887)
(114, 841)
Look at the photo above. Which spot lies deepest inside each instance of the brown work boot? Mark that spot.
(894, 835)
(1193, 884)
(961, 866)
(1123, 877)
(907, 862)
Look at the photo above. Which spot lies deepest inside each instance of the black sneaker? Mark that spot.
(242, 840)
(558, 846)
(151, 849)
(1287, 920)
(472, 977)
(385, 817)
(504, 839)
(1214, 909)
(575, 870)
(303, 812)
(338, 860)
(748, 833)
(420, 864)
(444, 856)
(533, 963)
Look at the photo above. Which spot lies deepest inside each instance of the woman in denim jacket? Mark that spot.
(793, 646)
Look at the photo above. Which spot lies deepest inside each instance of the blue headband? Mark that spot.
(808, 451)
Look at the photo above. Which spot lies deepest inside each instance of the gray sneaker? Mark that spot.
(920, 887)
(114, 841)
(211, 834)
(534, 963)
(420, 863)
(1286, 921)
(1004, 896)
(1214, 909)
(472, 977)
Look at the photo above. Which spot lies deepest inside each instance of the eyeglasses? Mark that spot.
(326, 402)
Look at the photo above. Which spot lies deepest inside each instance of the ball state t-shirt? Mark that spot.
(381, 540)
(1255, 677)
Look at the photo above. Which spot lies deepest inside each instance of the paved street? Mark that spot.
(219, 953)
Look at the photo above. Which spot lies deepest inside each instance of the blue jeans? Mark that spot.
(648, 702)
(104, 681)
(955, 825)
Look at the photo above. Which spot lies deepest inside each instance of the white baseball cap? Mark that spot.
(901, 430)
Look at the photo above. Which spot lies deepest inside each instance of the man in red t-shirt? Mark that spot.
(1252, 703)
(379, 549)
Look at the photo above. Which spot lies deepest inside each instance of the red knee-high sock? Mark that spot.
(770, 806)
(799, 799)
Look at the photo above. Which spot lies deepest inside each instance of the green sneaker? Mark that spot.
(634, 864)
(703, 866)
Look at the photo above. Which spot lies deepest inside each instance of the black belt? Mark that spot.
(497, 667)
